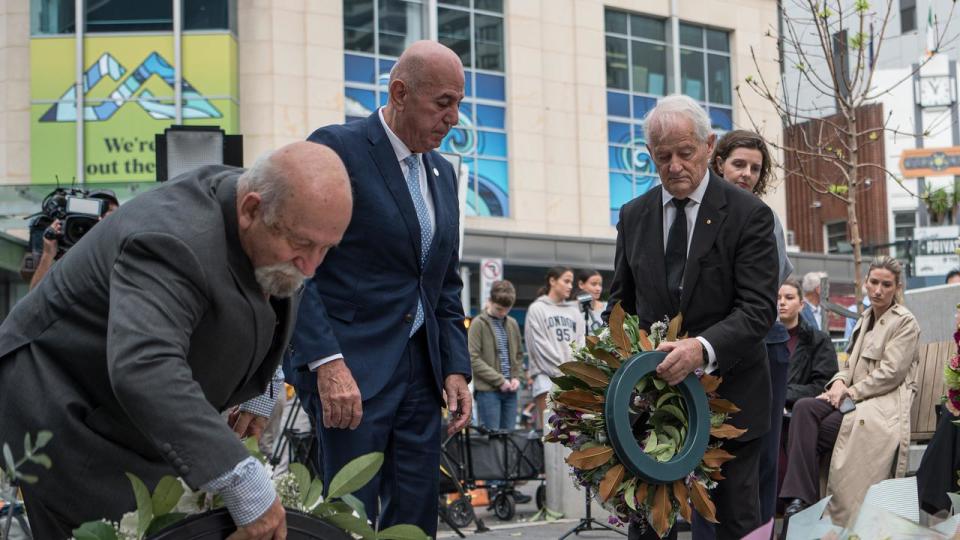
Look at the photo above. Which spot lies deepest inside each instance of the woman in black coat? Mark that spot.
(813, 360)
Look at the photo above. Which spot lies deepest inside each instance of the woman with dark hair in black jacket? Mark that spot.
(813, 361)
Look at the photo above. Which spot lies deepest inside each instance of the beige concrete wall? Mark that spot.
(291, 70)
(15, 92)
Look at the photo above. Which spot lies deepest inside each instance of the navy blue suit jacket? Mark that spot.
(362, 300)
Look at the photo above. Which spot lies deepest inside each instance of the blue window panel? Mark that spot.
(644, 183)
(721, 118)
(359, 102)
(614, 216)
(489, 116)
(621, 189)
(619, 157)
(475, 206)
(492, 187)
(490, 87)
(468, 83)
(459, 141)
(384, 72)
(467, 118)
(618, 133)
(642, 105)
(358, 68)
(491, 144)
(384, 97)
(638, 134)
(618, 104)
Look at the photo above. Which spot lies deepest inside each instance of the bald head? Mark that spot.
(426, 86)
(293, 205)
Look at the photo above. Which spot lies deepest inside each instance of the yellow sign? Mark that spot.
(128, 93)
(918, 162)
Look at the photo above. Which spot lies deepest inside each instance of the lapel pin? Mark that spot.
(436, 172)
(709, 222)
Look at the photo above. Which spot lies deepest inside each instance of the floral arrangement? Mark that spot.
(951, 378)
(578, 423)
(172, 501)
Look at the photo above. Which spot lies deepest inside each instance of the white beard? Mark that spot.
(281, 280)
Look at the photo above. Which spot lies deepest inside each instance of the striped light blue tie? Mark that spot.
(423, 216)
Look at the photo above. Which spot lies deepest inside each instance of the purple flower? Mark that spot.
(955, 363)
(698, 372)
(553, 418)
(612, 520)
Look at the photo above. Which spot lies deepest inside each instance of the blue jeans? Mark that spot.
(497, 410)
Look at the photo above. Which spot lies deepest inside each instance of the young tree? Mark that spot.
(829, 52)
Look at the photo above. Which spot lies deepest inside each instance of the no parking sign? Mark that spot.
(490, 270)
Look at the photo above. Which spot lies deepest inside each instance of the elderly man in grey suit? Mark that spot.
(176, 307)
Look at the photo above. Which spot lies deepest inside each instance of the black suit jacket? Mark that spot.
(729, 286)
(134, 342)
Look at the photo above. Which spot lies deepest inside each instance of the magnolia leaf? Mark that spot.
(402, 532)
(630, 494)
(300, 472)
(682, 497)
(701, 501)
(355, 503)
(666, 454)
(675, 411)
(641, 495)
(670, 394)
(355, 475)
(726, 431)
(673, 330)
(610, 483)
(710, 383)
(352, 524)
(715, 457)
(94, 530)
(659, 383)
(564, 382)
(313, 494)
(166, 495)
(651, 443)
(581, 400)
(617, 333)
(590, 458)
(587, 373)
(724, 406)
(592, 342)
(659, 513)
(673, 433)
(160, 523)
(642, 385)
(717, 476)
(645, 344)
(253, 448)
(607, 358)
(42, 439)
(144, 504)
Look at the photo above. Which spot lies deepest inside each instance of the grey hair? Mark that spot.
(811, 280)
(410, 71)
(671, 108)
(268, 180)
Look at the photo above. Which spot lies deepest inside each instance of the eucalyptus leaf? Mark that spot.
(313, 494)
(144, 504)
(95, 530)
(41, 459)
(43, 438)
(28, 478)
(166, 495)
(667, 454)
(253, 447)
(300, 472)
(402, 532)
(160, 523)
(659, 383)
(642, 385)
(673, 433)
(675, 411)
(355, 474)
(651, 443)
(27, 447)
(629, 495)
(8, 458)
(353, 525)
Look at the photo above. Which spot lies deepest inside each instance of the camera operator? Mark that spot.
(54, 232)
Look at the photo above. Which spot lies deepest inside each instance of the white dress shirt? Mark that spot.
(692, 210)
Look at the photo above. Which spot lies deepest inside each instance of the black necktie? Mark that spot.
(675, 257)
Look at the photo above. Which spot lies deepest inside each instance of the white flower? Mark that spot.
(128, 525)
(601, 437)
(191, 502)
(588, 416)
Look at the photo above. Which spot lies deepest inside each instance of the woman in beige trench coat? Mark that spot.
(871, 442)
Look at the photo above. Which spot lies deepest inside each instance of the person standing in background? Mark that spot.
(589, 281)
(496, 356)
(552, 324)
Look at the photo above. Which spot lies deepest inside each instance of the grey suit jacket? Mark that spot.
(133, 343)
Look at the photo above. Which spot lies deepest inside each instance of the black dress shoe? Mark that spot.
(793, 507)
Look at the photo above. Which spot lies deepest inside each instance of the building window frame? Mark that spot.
(833, 238)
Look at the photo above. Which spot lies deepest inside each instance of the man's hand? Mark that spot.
(459, 402)
(514, 385)
(683, 357)
(272, 525)
(246, 424)
(836, 393)
(505, 387)
(339, 395)
(50, 245)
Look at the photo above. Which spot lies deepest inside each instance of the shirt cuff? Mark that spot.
(263, 404)
(317, 363)
(247, 491)
(711, 356)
